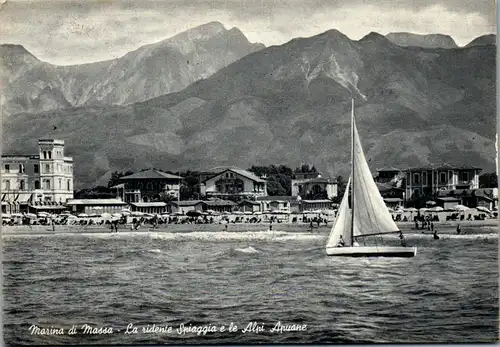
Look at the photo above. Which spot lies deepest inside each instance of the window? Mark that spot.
(7, 167)
(21, 168)
(60, 184)
(7, 185)
(464, 176)
(47, 184)
(47, 168)
(424, 178)
(442, 177)
(21, 185)
(50, 154)
(44, 155)
(416, 192)
(68, 185)
(37, 184)
(36, 168)
(416, 178)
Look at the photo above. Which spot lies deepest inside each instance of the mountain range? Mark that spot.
(290, 104)
(152, 70)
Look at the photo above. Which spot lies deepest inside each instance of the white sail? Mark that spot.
(371, 215)
(342, 225)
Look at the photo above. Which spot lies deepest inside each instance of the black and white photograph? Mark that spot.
(248, 172)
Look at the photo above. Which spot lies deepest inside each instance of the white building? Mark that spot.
(38, 180)
(234, 182)
(313, 186)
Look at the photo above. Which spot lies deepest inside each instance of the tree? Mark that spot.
(115, 177)
(488, 180)
(341, 186)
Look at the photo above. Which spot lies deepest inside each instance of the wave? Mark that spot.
(248, 249)
(194, 235)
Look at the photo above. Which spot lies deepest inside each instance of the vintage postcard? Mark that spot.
(248, 172)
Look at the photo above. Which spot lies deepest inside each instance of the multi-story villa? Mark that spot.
(234, 182)
(427, 181)
(311, 185)
(148, 185)
(36, 180)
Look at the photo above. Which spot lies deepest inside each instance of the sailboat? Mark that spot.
(367, 217)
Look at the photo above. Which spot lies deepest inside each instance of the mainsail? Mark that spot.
(371, 216)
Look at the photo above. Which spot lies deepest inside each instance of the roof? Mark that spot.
(443, 166)
(250, 202)
(244, 173)
(389, 169)
(315, 180)
(95, 202)
(37, 207)
(317, 201)
(149, 204)
(393, 199)
(276, 198)
(150, 174)
(219, 203)
(447, 198)
(186, 202)
(385, 186)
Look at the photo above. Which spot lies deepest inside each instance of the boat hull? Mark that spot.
(372, 251)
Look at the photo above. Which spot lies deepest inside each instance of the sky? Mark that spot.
(67, 32)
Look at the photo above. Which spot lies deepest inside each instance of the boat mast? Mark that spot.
(352, 172)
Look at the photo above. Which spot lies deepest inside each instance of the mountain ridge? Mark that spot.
(149, 71)
(290, 104)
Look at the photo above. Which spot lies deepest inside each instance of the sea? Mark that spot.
(245, 287)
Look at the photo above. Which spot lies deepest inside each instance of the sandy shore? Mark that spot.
(486, 226)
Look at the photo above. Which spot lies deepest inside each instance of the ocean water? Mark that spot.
(447, 293)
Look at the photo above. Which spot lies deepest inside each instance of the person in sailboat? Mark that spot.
(341, 242)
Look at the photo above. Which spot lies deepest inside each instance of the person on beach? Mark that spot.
(458, 229)
(311, 225)
(53, 225)
(402, 238)
(436, 237)
(432, 226)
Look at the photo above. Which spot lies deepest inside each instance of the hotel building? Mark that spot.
(38, 181)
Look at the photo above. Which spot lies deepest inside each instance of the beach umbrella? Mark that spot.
(137, 214)
(165, 215)
(460, 208)
(423, 209)
(43, 214)
(71, 216)
(430, 203)
(125, 210)
(31, 215)
(411, 209)
(248, 212)
(257, 213)
(116, 215)
(237, 212)
(106, 215)
(483, 209)
(83, 215)
(193, 213)
(436, 209)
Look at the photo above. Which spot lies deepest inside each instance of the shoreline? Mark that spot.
(446, 227)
